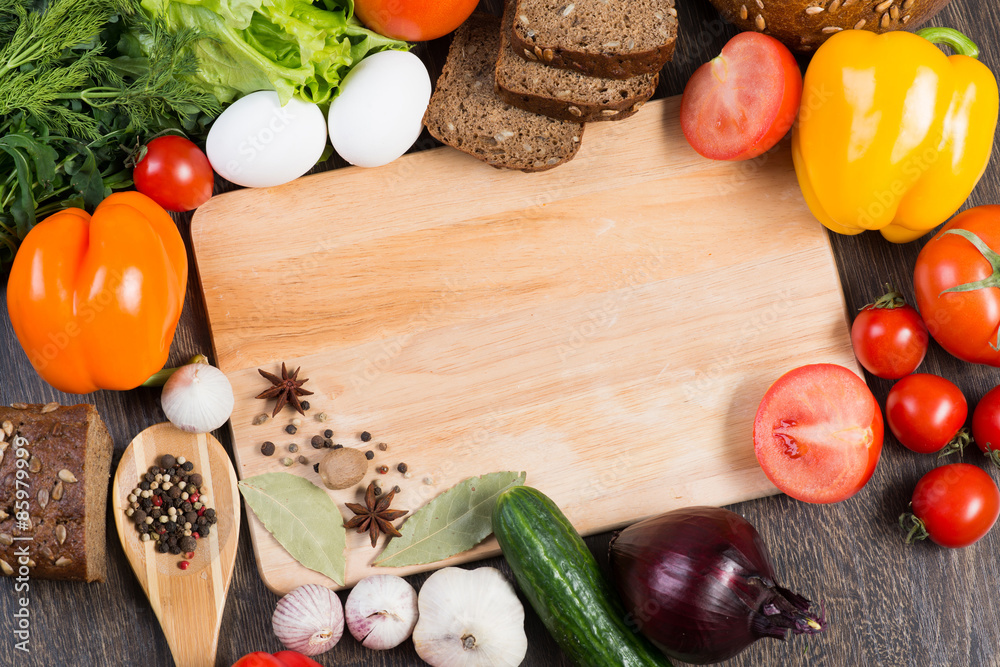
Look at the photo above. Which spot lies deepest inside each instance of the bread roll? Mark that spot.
(802, 25)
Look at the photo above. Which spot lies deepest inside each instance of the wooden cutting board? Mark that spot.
(608, 326)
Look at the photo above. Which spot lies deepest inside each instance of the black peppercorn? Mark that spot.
(401, 467)
(204, 531)
(191, 518)
(162, 547)
(365, 436)
(315, 467)
(304, 405)
(139, 516)
(290, 429)
(175, 550)
(328, 444)
(144, 486)
(174, 492)
(188, 466)
(186, 506)
(156, 513)
(327, 433)
(188, 544)
(267, 448)
(149, 477)
(337, 447)
(168, 461)
(317, 441)
(369, 455)
(378, 490)
(210, 513)
(396, 489)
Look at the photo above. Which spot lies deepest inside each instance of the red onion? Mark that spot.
(699, 583)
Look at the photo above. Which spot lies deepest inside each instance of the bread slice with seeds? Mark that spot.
(466, 113)
(565, 94)
(615, 39)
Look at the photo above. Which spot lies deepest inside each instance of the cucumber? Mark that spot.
(561, 579)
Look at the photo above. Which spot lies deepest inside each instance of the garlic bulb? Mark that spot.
(470, 618)
(197, 398)
(381, 611)
(310, 619)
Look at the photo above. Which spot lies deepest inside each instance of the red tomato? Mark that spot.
(413, 20)
(175, 174)
(957, 505)
(258, 659)
(279, 659)
(741, 103)
(889, 338)
(818, 433)
(925, 412)
(986, 424)
(962, 313)
(295, 659)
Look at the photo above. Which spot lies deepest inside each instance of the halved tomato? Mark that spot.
(742, 102)
(818, 433)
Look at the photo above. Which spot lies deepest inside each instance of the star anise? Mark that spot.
(375, 515)
(286, 389)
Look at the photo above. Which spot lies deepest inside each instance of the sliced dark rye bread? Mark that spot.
(616, 39)
(466, 113)
(565, 94)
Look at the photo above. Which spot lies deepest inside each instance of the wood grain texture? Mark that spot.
(585, 330)
(889, 605)
(188, 603)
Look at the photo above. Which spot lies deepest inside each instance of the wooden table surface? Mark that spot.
(887, 603)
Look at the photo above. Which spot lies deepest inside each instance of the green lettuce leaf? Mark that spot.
(293, 47)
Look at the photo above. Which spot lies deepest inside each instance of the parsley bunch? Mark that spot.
(77, 96)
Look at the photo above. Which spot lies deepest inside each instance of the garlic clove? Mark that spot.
(381, 611)
(469, 618)
(310, 620)
(197, 398)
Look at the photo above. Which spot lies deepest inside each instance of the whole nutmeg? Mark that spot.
(341, 468)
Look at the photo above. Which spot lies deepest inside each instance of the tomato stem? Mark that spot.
(916, 531)
(890, 300)
(992, 280)
(993, 455)
(958, 42)
(957, 444)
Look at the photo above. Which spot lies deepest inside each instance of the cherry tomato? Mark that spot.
(741, 103)
(957, 283)
(818, 433)
(957, 505)
(175, 174)
(925, 412)
(414, 20)
(279, 659)
(295, 659)
(986, 424)
(889, 338)
(258, 659)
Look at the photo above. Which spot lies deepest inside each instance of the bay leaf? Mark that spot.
(303, 519)
(453, 522)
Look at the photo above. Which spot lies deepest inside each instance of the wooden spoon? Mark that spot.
(189, 603)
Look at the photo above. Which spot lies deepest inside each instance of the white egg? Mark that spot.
(258, 143)
(380, 109)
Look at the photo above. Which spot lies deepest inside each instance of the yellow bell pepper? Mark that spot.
(893, 134)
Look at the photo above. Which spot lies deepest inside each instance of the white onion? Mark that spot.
(310, 620)
(197, 398)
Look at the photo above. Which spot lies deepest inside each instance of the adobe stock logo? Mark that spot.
(253, 145)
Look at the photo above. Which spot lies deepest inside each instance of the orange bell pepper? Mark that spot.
(94, 301)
